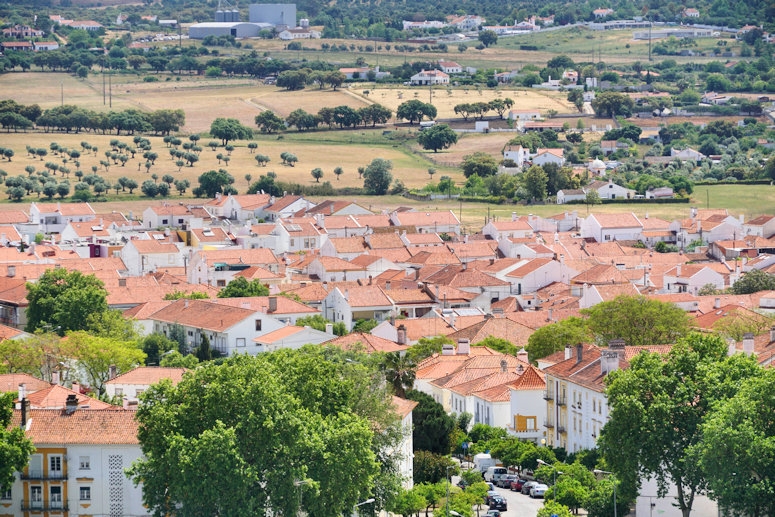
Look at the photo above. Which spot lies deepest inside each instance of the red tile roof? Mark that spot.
(145, 375)
(82, 427)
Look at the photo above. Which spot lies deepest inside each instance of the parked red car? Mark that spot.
(516, 485)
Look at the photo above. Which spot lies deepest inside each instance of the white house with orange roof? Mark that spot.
(79, 463)
(130, 385)
(516, 228)
(53, 217)
(238, 207)
(284, 207)
(348, 305)
(609, 190)
(690, 278)
(218, 267)
(171, 215)
(333, 269)
(142, 256)
(527, 407)
(450, 67)
(544, 156)
(294, 235)
(292, 337)
(591, 295)
(536, 274)
(442, 221)
(612, 227)
(761, 226)
(429, 77)
(405, 449)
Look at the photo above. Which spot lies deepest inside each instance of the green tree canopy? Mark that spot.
(15, 447)
(737, 444)
(415, 110)
(637, 320)
(309, 416)
(95, 355)
(658, 406)
(241, 287)
(377, 177)
(479, 163)
(440, 136)
(554, 337)
(432, 425)
(228, 129)
(61, 301)
(214, 182)
(754, 281)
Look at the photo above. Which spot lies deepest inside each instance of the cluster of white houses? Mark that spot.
(416, 273)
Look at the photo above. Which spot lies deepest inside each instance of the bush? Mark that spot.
(150, 79)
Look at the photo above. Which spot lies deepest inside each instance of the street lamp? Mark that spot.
(300, 483)
(449, 481)
(598, 471)
(367, 501)
(554, 470)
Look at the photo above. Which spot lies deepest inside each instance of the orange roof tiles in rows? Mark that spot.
(82, 427)
(149, 375)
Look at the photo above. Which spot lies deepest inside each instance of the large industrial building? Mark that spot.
(277, 17)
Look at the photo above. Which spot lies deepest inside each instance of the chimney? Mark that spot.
(320, 220)
(76, 387)
(401, 335)
(568, 352)
(447, 350)
(731, 347)
(112, 372)
(504, 366)
(387, 285)
(22, 392)
(492, 261)
(678, 270)
(25, 405)
(748, 343)
(370, 279)
(579, 353)
(71, 404)
(273, 304)
(329, 328)
(609, 361)
(55, 377)
(717, 303)
(513, 216)
(465, 266)
(551, 313)
(11, 271)
(522, 355)
(463, 347)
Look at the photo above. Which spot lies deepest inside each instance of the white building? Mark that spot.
(429, 77)
(612, 227)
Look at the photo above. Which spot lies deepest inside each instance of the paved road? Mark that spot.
(520, 505)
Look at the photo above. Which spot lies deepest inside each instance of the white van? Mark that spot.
(493, 474)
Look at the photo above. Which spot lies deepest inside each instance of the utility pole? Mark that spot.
(62, 92)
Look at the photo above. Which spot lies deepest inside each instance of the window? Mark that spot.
(240, 341)
(138, 392)
(36, 495)
(55, 464)
(164, 221)
(55, 498)
(84, 462)
(119, 392)
(85, 493)
(5, 495)
(258, 324)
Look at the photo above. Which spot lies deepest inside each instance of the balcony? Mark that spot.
(548, 395)
(561, 401)
(549, 424)
(39, 475)
(45, 506)
(561, 429)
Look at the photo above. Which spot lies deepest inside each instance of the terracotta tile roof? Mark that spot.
(423, 238)
(598, 275)
(13, 290)
(13, 217)
(735, 313)
(278, 335)
(337, 264)
(365, 260)
(474, 249)
(455, 276)
(396, 255)
(88, 229)
(211, 234)
(373, 221)
(427, 218)
(654, 223)
(508, 304)
(438, 258)
(403, 406)
(504, 226)
(54, 397)
(204, 314)
(311, 293)
(531, 379)
(366, 296)
(408, 296)
(9, 382)
(449, 294)
(145, 310)
(261, 304)
(66, 209)
(9, 233)
(368, 342)
(257, 273)
(384, 240)
(609, 292)
(82, 427)
(254, 257)
(145, 375)
(149, 246)
(348, 244)
(530, 267)
(282, 203)
(761, 220)
(621, 220)
(503, 328)
(426, 327)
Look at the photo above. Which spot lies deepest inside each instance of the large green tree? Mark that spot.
(432, 425)
(657, 408)
(15, 447)
(415, 110)
(228, 129)
(213, 182)
(61, 301)
(479, 163)
(226, 441)
(377, 177)
(440, 136)
(556, 336)
(95, 355)
(637, 320)
(754, 281)
(738, 448)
